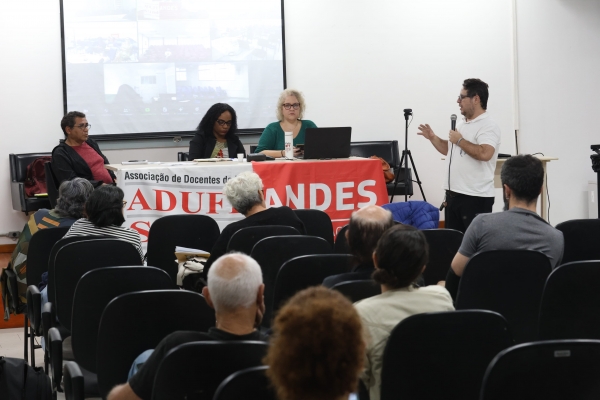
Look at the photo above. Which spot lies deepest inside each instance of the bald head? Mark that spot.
(234, 281)
(366, 227)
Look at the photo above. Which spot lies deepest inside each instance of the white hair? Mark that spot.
(233, 281)
(290, 92)
(242, 191)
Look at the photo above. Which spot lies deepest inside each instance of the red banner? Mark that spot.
(337, 187)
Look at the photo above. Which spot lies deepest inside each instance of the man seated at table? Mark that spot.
(78, 155)
(246, 195)
(519, 227)
(365, 228)
(235, 290)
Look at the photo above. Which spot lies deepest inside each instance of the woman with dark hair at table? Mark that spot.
(290, 111)
(104, 217)
(216, 134)
(72, 196)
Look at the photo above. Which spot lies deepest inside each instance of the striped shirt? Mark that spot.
(83, 227)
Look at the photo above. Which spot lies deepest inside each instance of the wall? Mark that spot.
(558, 59)
(360, 63)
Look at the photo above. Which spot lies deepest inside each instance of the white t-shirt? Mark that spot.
(468, 175)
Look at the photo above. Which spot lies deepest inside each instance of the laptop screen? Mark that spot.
(327, 143)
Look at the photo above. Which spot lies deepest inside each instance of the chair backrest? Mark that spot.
(19, 163)
(135, 322)
(386, 149)
(554, 369)
(341, 243)
(75, 259)
(180, 375)
(510, 282)
(272, 252)
(52, 259)
(193, 231)
(183, 156)
(250, 383)
(18, 174)
(302, 272)
(40, 247)
(441, 355)
(443, 246)
(317, 223)
(94, 291)
(73, 381)
(244, 239)
(581, 239)
(571, 302)
(51, 184)
(358, 290)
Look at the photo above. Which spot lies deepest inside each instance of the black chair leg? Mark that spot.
(32, 342)
(25, 335)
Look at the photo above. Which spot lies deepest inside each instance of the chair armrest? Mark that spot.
(48, 318)
(17, 194)
(56, 356)
(34, 309)
(73, 381)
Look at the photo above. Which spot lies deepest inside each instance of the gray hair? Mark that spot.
(72, 196)
(290, 92)
(242, 191)
(233, 282)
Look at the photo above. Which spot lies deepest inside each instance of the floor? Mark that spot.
(11, 345)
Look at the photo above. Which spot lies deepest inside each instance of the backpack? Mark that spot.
(35, 183)
(20, 381)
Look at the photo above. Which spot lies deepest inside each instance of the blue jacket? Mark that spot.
(419, 214)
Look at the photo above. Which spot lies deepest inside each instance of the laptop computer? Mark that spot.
(327, 143)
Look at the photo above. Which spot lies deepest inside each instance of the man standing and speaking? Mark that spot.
(471, 152)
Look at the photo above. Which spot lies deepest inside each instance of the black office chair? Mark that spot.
(181, 376)
(247, 384)
(93, 292)
(52, 184)
(341, 243)
(183, 156)
(571, 302)
(302, 272)
(443, 246)
(388, 150)
(317, 223)
(272, 252)
(509, 282)
(193, 231)
(358, 290)
(244, 239)
(73, 381)
(441, 355)
(135, 322)
(18, 174)
(38, 253)
(554, 369)
(582, 237)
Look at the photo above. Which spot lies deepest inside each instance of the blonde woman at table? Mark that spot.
(216, 134)
(290, 110)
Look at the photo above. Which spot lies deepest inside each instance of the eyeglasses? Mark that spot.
(295, 106)
(224, 123)
(124, 203)
(462, 97)
(84, 126)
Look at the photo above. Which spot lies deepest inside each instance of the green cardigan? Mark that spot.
(273, 137)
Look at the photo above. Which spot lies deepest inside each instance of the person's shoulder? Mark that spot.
(435, 290)
(181, 337)
(308, 123)
(60, 147)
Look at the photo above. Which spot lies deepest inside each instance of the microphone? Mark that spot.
(453, 123)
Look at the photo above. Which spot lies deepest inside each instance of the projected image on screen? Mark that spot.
(151, 66)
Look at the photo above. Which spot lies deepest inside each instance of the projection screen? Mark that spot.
(153, 67)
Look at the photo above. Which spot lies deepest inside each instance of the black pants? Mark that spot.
(461, 209)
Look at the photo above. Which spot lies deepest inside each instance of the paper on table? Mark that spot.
(187, 250)
(213, 159)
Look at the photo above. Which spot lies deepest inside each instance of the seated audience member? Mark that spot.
(72, 196)
(235, 290)
(400, 258)
(104, 217)
(365, 228)
(317, 348)
(77, 155)
(290, 110)
(216, 134)
(245, 193)
(519, 227)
